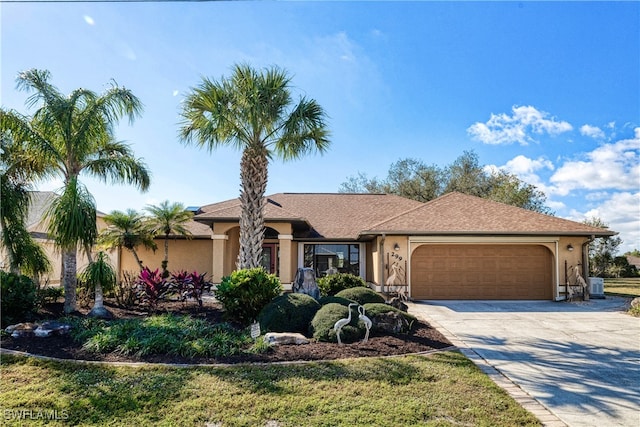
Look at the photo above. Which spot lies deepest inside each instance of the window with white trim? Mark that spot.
(327, 258)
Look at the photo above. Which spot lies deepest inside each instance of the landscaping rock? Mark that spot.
(46, 329)
(635, 302)
(280, 338)
(305, 283)
(100, 313)
(397, 303)
(391, 322)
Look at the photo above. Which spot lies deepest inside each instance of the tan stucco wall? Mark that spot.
(190, 255)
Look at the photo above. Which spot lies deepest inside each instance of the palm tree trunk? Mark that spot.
(135, 255)
(69, 279)
(165, 262)
(253, 179)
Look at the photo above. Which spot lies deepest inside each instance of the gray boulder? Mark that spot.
(281, 338)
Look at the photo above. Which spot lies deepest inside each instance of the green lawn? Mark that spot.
(439, 390)
(629, 287)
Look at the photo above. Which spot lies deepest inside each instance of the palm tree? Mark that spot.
(101, 275)
(166, 219)
(253, 112)
(17, 170)
(74, 134)
(126, 230)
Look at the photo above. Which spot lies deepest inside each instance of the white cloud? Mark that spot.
(592, 132)
(526, 169)
(621, 213)
(610, 166)
(526, 120)
(89, 20)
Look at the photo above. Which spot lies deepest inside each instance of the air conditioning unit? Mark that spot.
(596, 287)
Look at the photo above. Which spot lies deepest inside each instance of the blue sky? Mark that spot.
(549, 91)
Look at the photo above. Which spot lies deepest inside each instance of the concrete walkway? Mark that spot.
(575, 364)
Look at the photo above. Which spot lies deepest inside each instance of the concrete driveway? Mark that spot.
(579, 360)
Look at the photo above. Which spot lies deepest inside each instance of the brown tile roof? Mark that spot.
(351, 216)
(332, 216)
(457, 213)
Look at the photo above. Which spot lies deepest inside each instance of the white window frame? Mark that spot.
(361, 254)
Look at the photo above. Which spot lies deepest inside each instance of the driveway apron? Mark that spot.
(580, 360)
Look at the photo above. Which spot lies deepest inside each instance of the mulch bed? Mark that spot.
(424, 338)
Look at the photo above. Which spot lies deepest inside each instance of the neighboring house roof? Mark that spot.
(457, 213)
(634, 260)
(355, 216)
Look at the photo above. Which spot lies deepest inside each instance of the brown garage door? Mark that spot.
(481, 272)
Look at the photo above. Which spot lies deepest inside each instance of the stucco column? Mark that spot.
(218, 258)
(284, 260)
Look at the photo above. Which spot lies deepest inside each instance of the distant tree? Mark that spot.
(602, 250)
(254, 112)
(620, 267)
(126, 230)
(166, 219)
(413, 179)
(72, 135)
(634, 252)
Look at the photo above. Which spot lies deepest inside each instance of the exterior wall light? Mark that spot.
(570, 247)
(396, 247)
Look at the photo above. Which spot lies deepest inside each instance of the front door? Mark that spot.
(269, 258)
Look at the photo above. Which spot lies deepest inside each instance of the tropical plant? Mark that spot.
(102, 277)
(253, 112)
(191, 285)
(17, 170)
(244, 293)
(126, 230)
(126, 290)
(74, 134)
(166, 219)
(152, 287)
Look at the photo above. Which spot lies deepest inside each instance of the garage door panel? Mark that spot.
(481, 272)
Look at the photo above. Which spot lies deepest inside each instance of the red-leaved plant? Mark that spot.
(152, 287)
(190, 286)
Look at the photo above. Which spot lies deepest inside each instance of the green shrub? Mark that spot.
(288, 313)
(361, 295)
(334, 299)
(50, 294)
(19, 298)
(334, 283)
(374, 310)
(328, 315)
(244, 293)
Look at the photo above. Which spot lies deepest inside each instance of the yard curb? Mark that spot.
(8, 352)
(528, 402)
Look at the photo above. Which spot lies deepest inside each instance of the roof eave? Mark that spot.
(604, 233)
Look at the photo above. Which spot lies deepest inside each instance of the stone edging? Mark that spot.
(8, 352)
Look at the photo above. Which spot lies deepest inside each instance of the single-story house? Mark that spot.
(36, 224)
(454, 247)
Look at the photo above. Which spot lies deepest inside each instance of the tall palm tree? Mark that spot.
(166, 219)
(255, 113)
(126, 230)
(74, 134)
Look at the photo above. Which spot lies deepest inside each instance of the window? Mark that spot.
(332, 258)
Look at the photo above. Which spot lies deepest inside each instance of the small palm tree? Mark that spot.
(166, 219)
(102, 276)
(126, 230)
(255, 113)
(74, 134)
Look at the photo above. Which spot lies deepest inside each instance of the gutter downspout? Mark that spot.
(381, 250)
(585, 265)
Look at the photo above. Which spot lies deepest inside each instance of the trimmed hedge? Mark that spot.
(288, 313)
(361, 295)
(244, 293)
(328, 315)
(334, 299)
(334, 283)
